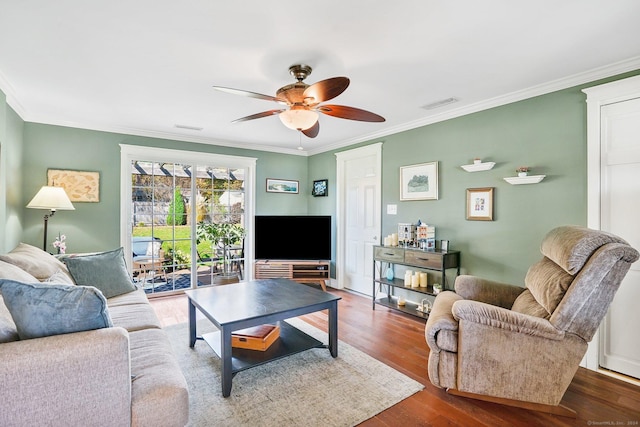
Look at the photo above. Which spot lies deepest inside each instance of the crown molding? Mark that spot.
(126, 130)
(542, 89)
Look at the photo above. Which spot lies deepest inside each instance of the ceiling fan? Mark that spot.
(303, 102)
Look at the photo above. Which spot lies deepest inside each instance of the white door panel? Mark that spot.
(359, 176)
(620, 197)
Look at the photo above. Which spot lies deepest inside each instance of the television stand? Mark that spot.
(298, 271)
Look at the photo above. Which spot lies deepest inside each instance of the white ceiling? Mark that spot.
(141, 67)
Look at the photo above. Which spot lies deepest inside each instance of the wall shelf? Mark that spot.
(477, 167)
(529, 179)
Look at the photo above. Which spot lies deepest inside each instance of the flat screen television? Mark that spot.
(289, 237)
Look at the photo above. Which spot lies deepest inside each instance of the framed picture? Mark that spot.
(320, 188)
(480, 204)
(80, 186)
(282, 186)
(419, 182)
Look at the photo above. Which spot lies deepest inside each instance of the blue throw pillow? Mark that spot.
(106, 271)
(41, 310)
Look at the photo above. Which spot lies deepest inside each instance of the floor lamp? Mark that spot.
(51, 198)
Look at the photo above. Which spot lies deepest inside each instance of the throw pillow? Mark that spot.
(8, 331)
(34, 261)
(60, 277)
(106, 271)
(10, 271)
(41, 310)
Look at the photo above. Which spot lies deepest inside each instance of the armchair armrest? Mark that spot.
(71, 379)
(488, 291)
(498, 317)
(441, 318)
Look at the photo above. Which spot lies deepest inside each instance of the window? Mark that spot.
(184, 217)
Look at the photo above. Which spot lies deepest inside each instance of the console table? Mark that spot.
(433, 260)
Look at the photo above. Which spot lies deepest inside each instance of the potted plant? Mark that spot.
(223, 235)
(522, 171)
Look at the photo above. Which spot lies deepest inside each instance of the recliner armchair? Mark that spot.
(522, 346)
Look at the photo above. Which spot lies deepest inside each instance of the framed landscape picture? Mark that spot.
(419, 182)
(480, 204)
(282, 186)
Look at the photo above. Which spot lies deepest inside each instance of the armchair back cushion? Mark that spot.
(571, 246)
(566, 251)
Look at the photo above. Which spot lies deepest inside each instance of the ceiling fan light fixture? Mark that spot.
(298, 118)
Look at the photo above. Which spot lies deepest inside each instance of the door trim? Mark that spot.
(341, 159)
(597, 97)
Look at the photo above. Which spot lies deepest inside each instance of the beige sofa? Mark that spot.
(117, 376)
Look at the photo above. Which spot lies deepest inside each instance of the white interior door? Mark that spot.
(358, 216)
(620, 183)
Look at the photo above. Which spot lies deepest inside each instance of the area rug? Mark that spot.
(307, 389)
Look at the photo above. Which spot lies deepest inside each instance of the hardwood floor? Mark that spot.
(398, 340)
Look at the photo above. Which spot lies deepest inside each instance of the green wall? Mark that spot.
(95, 226)
(546, 133)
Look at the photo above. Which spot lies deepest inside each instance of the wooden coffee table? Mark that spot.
(243, 305)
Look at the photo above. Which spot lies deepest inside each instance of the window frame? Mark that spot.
(130, 153)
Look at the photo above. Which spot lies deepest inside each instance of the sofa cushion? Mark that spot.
(34, 261)
(159, 393)
(60, 277)
(41, 310)
(13, 272)
(106, 271)
(8, 330)
(134, 317)
(548, 283)
(137, 297)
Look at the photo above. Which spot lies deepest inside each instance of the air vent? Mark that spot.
(440, 103)
(188, 127)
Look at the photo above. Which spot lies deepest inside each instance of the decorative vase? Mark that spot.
(389, 273)
(522, 174)
(477, 161)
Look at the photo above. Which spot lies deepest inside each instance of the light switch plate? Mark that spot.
(392, 209)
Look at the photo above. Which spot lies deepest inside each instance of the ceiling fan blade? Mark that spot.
(249, 94)
(325, 90)
(312, 132)
(350, 113)
(258, 115)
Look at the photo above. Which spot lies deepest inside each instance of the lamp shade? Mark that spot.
(52, 198)
(298, 118)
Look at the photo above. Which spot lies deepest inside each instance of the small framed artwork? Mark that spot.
(282, 186)
(320, 188)
(80, 186)
(419, 182)
(480, 204)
